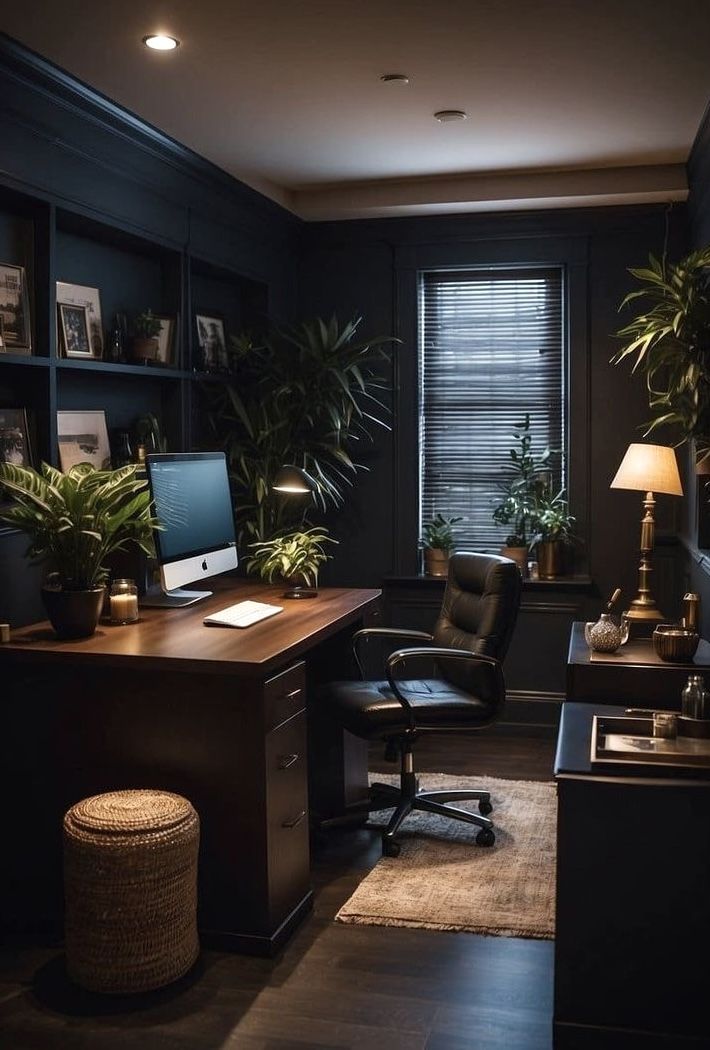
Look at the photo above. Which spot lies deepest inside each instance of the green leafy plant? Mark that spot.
(307, 396)
(669, 343)
(552, 519)
(146, 325)
(521, 487)
(297, 554)
(75, 520)
(437, 534)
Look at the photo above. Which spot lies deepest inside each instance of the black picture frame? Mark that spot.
(15, 310)
(15, 443)
(211, 342)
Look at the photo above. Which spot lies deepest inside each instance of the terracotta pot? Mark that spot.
(73, 614)
(550, 560)
(519, 554)
(144, 349)
(436, 561)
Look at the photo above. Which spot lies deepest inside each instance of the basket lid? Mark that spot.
(135, 811)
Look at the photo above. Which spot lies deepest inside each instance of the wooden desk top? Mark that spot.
(177, 639)
(638, 652)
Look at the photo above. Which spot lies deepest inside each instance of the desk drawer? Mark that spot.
(284, 696)
(287, 816)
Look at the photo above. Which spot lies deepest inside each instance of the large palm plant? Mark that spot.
(306, 395)
(670, 344)
(75, 520)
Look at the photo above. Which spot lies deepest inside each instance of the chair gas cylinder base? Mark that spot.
(469, 642)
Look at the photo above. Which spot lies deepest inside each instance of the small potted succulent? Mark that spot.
(438, 542)
(74, 522)
(294, 558)
(144, 342)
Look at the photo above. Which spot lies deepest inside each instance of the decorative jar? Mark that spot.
(606, 635)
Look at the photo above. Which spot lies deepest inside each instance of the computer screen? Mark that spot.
(193, 504)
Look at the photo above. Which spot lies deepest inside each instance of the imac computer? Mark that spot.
(193, 505)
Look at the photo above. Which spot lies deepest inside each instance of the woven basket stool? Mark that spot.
(130, 887)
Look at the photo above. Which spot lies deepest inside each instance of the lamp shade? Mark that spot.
(293, 480)
(649, 468)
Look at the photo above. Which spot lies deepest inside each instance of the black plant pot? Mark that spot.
(73, 614)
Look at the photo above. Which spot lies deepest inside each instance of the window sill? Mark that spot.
(562, 583)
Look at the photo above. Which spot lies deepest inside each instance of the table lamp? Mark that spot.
(295, 481)
(649, 469)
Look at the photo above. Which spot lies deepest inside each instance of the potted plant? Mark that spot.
(669, 343)
(308, 395)
(74, 522)
(144, 342)
(520, 490)
(553, 529)
(294, 558)
(438, 542)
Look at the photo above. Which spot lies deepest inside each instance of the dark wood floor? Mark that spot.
(334, 986)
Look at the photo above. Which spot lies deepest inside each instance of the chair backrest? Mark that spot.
(479, 611)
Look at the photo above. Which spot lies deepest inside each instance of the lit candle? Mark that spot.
(124, 607)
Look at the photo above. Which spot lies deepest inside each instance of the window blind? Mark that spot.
(491, 350)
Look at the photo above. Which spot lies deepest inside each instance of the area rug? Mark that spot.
(443, 881)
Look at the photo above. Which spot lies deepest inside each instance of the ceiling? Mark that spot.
(567, 101)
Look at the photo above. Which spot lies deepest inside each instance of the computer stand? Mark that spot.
(157, 598)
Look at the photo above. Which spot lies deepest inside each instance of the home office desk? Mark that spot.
(633, 675)
(633, 909)
(215, 714)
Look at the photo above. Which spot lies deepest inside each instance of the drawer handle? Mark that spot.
(286, 761)
(294, 821)
(293, 694)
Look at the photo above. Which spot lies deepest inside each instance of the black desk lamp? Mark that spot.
(295, 481)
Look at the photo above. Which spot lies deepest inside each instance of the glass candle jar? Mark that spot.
(123, 601)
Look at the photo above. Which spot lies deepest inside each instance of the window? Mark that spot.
(491, 347)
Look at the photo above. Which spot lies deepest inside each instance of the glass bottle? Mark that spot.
(692, 697)
(123, 601)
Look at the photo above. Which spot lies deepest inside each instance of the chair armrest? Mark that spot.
(385, 632)
(438, 652)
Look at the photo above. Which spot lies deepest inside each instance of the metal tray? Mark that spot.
(627, 744)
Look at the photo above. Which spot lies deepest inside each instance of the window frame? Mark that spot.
(570, 254)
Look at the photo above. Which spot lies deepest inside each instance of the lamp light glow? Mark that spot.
(161, 42)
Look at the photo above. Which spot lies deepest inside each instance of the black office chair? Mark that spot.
(470, 639)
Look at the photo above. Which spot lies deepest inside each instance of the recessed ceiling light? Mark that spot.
(160, 42)
(445, 115)
(394, 78)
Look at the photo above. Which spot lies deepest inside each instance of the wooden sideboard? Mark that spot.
(633, 909)
(215, 714)
(632, 675)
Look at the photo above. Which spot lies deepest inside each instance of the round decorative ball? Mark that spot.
(130, 886)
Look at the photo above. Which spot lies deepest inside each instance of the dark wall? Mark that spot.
(699, 212)
(357, 267)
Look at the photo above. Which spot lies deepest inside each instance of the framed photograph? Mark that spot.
(15, 437)
(14, 310)
(81, 295)
(166, 341)
(83, 438)
(74, 326)
(212, 343)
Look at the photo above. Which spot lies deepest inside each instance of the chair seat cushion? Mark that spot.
(370, 709)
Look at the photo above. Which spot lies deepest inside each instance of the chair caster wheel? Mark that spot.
(484, 808)
(485, 837)
(390, 848)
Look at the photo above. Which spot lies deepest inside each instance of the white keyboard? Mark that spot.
(243, 614)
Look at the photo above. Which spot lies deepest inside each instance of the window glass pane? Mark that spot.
(491, 350)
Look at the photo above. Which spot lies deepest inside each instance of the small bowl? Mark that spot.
(675, 644)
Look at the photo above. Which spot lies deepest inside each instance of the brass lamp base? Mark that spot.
(644, 612)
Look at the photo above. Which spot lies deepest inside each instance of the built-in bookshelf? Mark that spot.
(47, 243)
